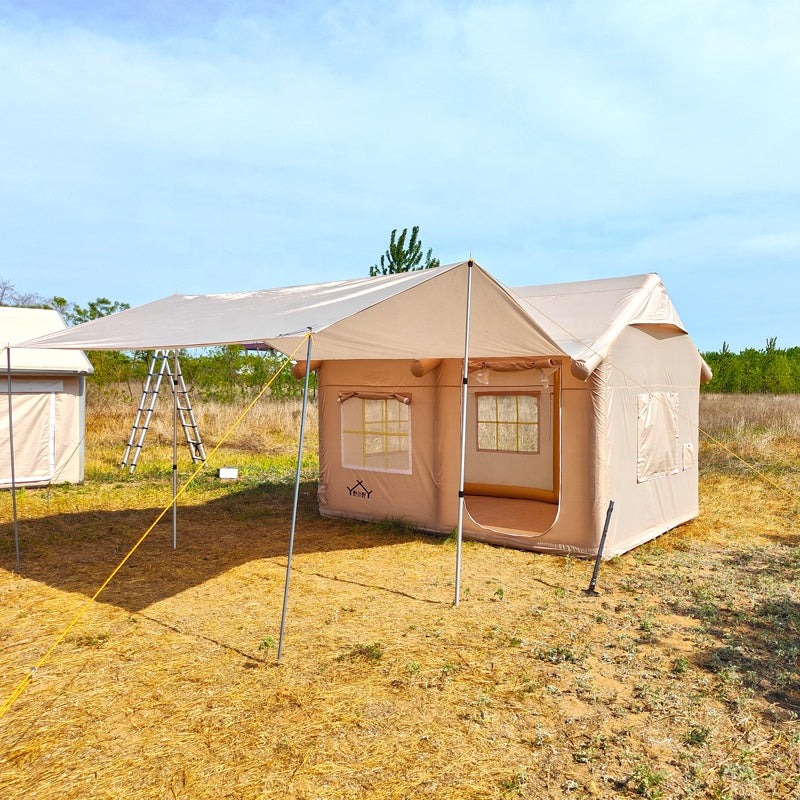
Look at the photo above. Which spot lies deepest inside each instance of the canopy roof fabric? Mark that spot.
(417, 314)
(20, 324)
(410, 315)
(184, 320)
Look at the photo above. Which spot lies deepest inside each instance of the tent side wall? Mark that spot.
(651, 383)
(377, 453)
(49, 421)
(628, 434)
(426, 494)
(72, 454)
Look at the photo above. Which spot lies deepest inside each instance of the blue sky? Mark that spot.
(202, 146)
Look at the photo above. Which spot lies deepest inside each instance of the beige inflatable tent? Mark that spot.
(576, 394)
(608, 411)
(47, 403)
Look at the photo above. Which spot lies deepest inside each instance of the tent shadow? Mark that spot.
(752, 647)
(77, 552)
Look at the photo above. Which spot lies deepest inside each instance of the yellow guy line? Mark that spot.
(794, 498)
(23, 684)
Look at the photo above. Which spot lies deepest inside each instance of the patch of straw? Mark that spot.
(680, 679)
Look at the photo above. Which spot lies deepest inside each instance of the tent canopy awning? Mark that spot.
(411, 315)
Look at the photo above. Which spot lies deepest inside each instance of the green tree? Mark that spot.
(402, 257)
(768, 371)
(752, 363)
(228, 373)
(61, 304)
(777, 371)
(793, 354)
(726, 369)
(100, 307)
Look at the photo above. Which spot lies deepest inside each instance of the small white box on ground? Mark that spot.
(228, 473)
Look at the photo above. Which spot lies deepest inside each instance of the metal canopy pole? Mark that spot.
(464, 379)
(11, 449)
(296, 498)
(175, 456)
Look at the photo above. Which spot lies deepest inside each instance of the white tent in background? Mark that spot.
(48, 396)
(449, 400)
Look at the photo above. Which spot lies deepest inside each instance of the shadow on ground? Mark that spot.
(751, 622)
(76, 552)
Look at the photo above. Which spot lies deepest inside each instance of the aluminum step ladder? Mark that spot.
(159, 368)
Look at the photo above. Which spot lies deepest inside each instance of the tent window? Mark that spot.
(508, 423)
(376, 434)
(658, 451)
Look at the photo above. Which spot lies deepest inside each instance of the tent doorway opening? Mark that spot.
(513, 445)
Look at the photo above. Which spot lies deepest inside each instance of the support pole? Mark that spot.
(296, 498)
(175, 454)
(464, 381)
(591, 591)
(11, 449)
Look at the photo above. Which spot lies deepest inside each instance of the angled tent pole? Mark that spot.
(464, 380)
(11, 449)
(592, 591)
(296, 498)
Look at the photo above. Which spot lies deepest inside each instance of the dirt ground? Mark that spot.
(681, 679)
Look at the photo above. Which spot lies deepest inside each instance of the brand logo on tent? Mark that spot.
(359, 490)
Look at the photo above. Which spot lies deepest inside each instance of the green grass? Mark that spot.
(371, 653)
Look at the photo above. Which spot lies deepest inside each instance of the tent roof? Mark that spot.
(21, 324)
(584, 318)
(417, 314)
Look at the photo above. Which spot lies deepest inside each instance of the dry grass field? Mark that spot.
(681, 680)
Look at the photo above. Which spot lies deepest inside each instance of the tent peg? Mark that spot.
(591, 591)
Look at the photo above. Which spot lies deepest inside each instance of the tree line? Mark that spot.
(771, 370)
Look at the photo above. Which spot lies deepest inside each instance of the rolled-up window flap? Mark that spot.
(422, 366)
(401, 398)
(299, 369)
(510, 364)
